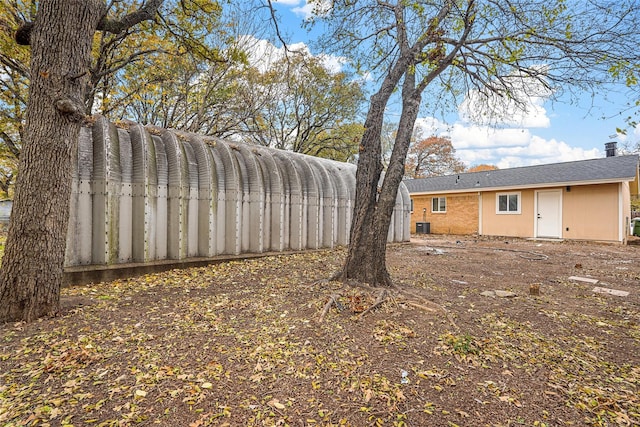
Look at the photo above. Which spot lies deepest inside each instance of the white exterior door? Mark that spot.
(549, 214)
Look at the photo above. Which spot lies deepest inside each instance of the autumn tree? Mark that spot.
(341, 144)
(185, 92)
(14, 85)
(185, 71)
(300, 105)
(187, 45)
(492, 49)
(61, 40)
(293, 103)
(483, 167)
(123, 63)
(627, 74)
(432, 156)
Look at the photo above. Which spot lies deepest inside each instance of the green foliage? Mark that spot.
(189, 70)
(14, 85)
(134, 71)
(629, 73)
(298, 104)
(179, 91)
(147, 72)
(461, 344)
(341, 144)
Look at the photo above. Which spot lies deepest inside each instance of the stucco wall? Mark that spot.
(589, 212)
(511, 224)
(461, 216)
(599, 212)
(592, 212)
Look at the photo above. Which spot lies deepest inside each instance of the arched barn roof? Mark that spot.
(144, 194)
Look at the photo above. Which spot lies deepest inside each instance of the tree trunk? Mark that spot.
(358, 264)
(366, 258)
(32, 267)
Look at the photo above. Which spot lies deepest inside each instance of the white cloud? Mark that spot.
(431, 126)
(305, 11)
(531, 114)
(505, 148)
(263, 54)
(474, 136)
(333, 63)
(316, 8)
(497, 130)
(627, 142)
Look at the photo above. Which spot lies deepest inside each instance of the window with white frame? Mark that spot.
(411, 205)
(508, 203)
(438, 204)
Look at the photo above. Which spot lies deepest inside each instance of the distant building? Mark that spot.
(5, 210)
(581, 200)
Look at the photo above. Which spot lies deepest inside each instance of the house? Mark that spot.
(581, 200)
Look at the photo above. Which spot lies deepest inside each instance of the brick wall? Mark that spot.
(461, 216)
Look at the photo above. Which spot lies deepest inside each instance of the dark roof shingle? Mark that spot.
(608, 169)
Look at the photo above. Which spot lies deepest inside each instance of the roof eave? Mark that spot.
(525, 186)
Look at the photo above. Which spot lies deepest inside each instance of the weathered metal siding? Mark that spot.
(143, 194)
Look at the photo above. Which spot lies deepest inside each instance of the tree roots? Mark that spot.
(333, 300)
(357, 303)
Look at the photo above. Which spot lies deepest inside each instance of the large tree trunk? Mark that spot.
(32, 266)
(366, 258)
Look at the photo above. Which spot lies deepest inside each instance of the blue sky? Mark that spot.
(547, 133)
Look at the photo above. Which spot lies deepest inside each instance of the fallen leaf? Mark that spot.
(368, 394)
(275, 403)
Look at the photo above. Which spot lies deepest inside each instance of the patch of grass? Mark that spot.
(460, 344)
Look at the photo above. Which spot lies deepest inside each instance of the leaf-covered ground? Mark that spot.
(239, 344)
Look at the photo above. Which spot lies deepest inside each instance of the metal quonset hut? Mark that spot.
(144, 194)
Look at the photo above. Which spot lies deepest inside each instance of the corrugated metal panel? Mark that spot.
(145, 194)
(253, 196)
(159, 193)
(125, 214)
(207, 196)
(273, 229)
(294, 221)
(231, 198)
(79, 239)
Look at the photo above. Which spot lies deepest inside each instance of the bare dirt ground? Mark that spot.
(240, 343)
